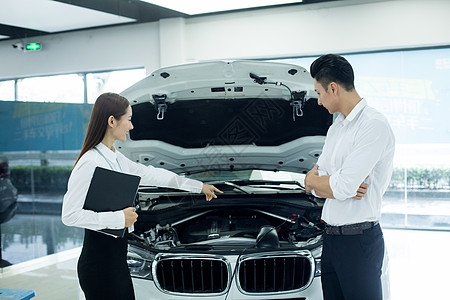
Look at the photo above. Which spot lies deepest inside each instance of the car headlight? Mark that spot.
(318, 267)
(140, 262)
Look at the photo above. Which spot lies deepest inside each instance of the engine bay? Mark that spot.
(233, 226)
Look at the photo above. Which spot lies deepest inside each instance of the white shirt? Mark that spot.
(356, 146)
(73, 213)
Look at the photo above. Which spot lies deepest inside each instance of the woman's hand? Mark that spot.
(209, 190)
(130, 216)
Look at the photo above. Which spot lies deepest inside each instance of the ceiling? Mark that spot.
(20, 19)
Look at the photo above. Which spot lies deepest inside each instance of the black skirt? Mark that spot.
(102, 267)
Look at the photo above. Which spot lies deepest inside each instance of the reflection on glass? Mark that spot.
(60, 88)
(116, 82)
(27, 237)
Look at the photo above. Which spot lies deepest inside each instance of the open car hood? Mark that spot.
(226, 115)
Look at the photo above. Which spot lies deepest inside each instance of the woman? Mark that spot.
(102, 266)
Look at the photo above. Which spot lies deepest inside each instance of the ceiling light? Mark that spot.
(54, 16)
(194, 7)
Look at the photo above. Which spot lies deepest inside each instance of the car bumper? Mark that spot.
(146, 289)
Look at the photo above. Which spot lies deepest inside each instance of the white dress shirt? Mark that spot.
(359, 145)
(73, 213)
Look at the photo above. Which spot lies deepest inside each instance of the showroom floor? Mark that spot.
(418, 260)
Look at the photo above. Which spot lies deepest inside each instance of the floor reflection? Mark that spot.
(27, 237)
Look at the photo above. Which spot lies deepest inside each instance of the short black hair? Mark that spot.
(333, 68)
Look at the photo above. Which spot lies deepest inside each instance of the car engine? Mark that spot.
(230, 227)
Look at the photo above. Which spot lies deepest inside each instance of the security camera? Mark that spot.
(18, 46)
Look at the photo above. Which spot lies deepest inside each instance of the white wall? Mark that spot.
(338, 27)
(90, 50)
(317, 29)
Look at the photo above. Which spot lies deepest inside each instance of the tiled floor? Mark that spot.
(52, 277)
(419, 264)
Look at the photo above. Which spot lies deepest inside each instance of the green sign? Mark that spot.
(33, 46)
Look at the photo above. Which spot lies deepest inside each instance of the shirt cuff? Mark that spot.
(195, 186)
(112, 219)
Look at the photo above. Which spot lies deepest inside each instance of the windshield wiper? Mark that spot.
(266, 183)
(238, 184)
(157, 189)
(235, 186)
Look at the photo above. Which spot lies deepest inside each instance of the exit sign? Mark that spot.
(33, 47)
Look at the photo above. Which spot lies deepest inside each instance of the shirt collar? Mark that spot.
(108, 153)
(355, 111)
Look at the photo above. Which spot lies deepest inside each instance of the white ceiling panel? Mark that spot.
(52, 16)
(193, 7)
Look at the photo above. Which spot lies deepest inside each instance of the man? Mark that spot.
(359, 147)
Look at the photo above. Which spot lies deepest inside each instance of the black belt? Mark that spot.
(350, 229)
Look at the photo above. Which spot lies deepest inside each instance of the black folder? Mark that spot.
(110, 191)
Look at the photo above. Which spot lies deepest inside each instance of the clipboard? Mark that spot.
(111, 191)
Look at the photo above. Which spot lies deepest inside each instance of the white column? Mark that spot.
(172, 41)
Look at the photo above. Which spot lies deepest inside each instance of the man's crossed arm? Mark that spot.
(321, 185)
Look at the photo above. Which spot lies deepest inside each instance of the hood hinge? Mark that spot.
(298, 99)
(161, 105)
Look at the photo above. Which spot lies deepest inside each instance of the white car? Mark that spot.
(253, 129)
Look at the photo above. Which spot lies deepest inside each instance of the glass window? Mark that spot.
(115, 81)
(60, 88)
(7, 90)
(44, 142)
(411, 89)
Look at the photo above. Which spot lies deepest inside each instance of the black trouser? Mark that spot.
(102, 268)
(351, 265)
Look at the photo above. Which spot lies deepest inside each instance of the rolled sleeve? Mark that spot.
(342, 187)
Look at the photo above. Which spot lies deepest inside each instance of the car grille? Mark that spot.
(274, 274)
(192, 275)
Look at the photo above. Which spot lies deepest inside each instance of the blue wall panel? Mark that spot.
(36, 126)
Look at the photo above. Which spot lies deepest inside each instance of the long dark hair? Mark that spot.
(106, 105)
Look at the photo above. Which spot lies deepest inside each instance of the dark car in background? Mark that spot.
(253, 129)
(8, 193)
